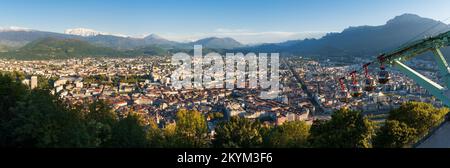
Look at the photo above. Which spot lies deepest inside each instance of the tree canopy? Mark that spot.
(238, 133)
(408, 124)
(419, 115)
(289, 135)
(395, 134)
(346, 129)
(191, 128)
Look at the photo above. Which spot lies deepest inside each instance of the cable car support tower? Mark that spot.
(434, 44)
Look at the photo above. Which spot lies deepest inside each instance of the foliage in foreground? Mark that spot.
(34, 118)
(408, 124)
(346, 129)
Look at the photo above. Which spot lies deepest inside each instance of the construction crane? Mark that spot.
(408, 51)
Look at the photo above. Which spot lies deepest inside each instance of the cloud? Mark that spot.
(14, 28)
(224, 30)
(249, 37)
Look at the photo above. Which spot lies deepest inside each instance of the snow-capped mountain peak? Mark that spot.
(83, 32)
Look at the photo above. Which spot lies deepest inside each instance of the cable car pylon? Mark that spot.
(396, 58)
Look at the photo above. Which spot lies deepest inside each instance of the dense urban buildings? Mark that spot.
(309, 90)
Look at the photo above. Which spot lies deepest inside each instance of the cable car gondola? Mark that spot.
(369, 83)
(343, 94)
(355, 88)
(383, 77)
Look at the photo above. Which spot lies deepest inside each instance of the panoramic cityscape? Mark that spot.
(370, 81)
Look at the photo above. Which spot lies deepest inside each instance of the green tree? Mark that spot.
(418, 115)
(100, 120)
(215, 115)
(156, 137)
(290, 135)
(11, 91)
(43, 121)
(395, 134)
(238, 133)
(169, 137)
(408, 124)
(191, 129)
(346, 129)
(128, 133)
(37, 119)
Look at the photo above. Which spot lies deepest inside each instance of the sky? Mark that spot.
(248, 21)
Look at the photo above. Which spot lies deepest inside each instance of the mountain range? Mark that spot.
(52, 48)
(360, 41)
(16, 38)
